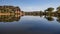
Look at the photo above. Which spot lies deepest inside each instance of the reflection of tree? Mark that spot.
(58, 19)
(49, 18)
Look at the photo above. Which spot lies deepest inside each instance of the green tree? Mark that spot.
(49, 10)
(58, 11)
(58, 8)
(41, 13)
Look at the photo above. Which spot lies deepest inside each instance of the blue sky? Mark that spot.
(32, 5)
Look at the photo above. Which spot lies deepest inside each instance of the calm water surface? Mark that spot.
(31, 24)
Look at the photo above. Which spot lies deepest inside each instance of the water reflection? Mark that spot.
(5, 18)
(58, 19)
(12, 13)
(12, 18)
(16, 16)
(49, 18)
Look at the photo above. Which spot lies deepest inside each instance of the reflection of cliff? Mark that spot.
(9, 19)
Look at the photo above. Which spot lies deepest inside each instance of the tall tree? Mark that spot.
(50, 9)
(58, 8)
(58, 11)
